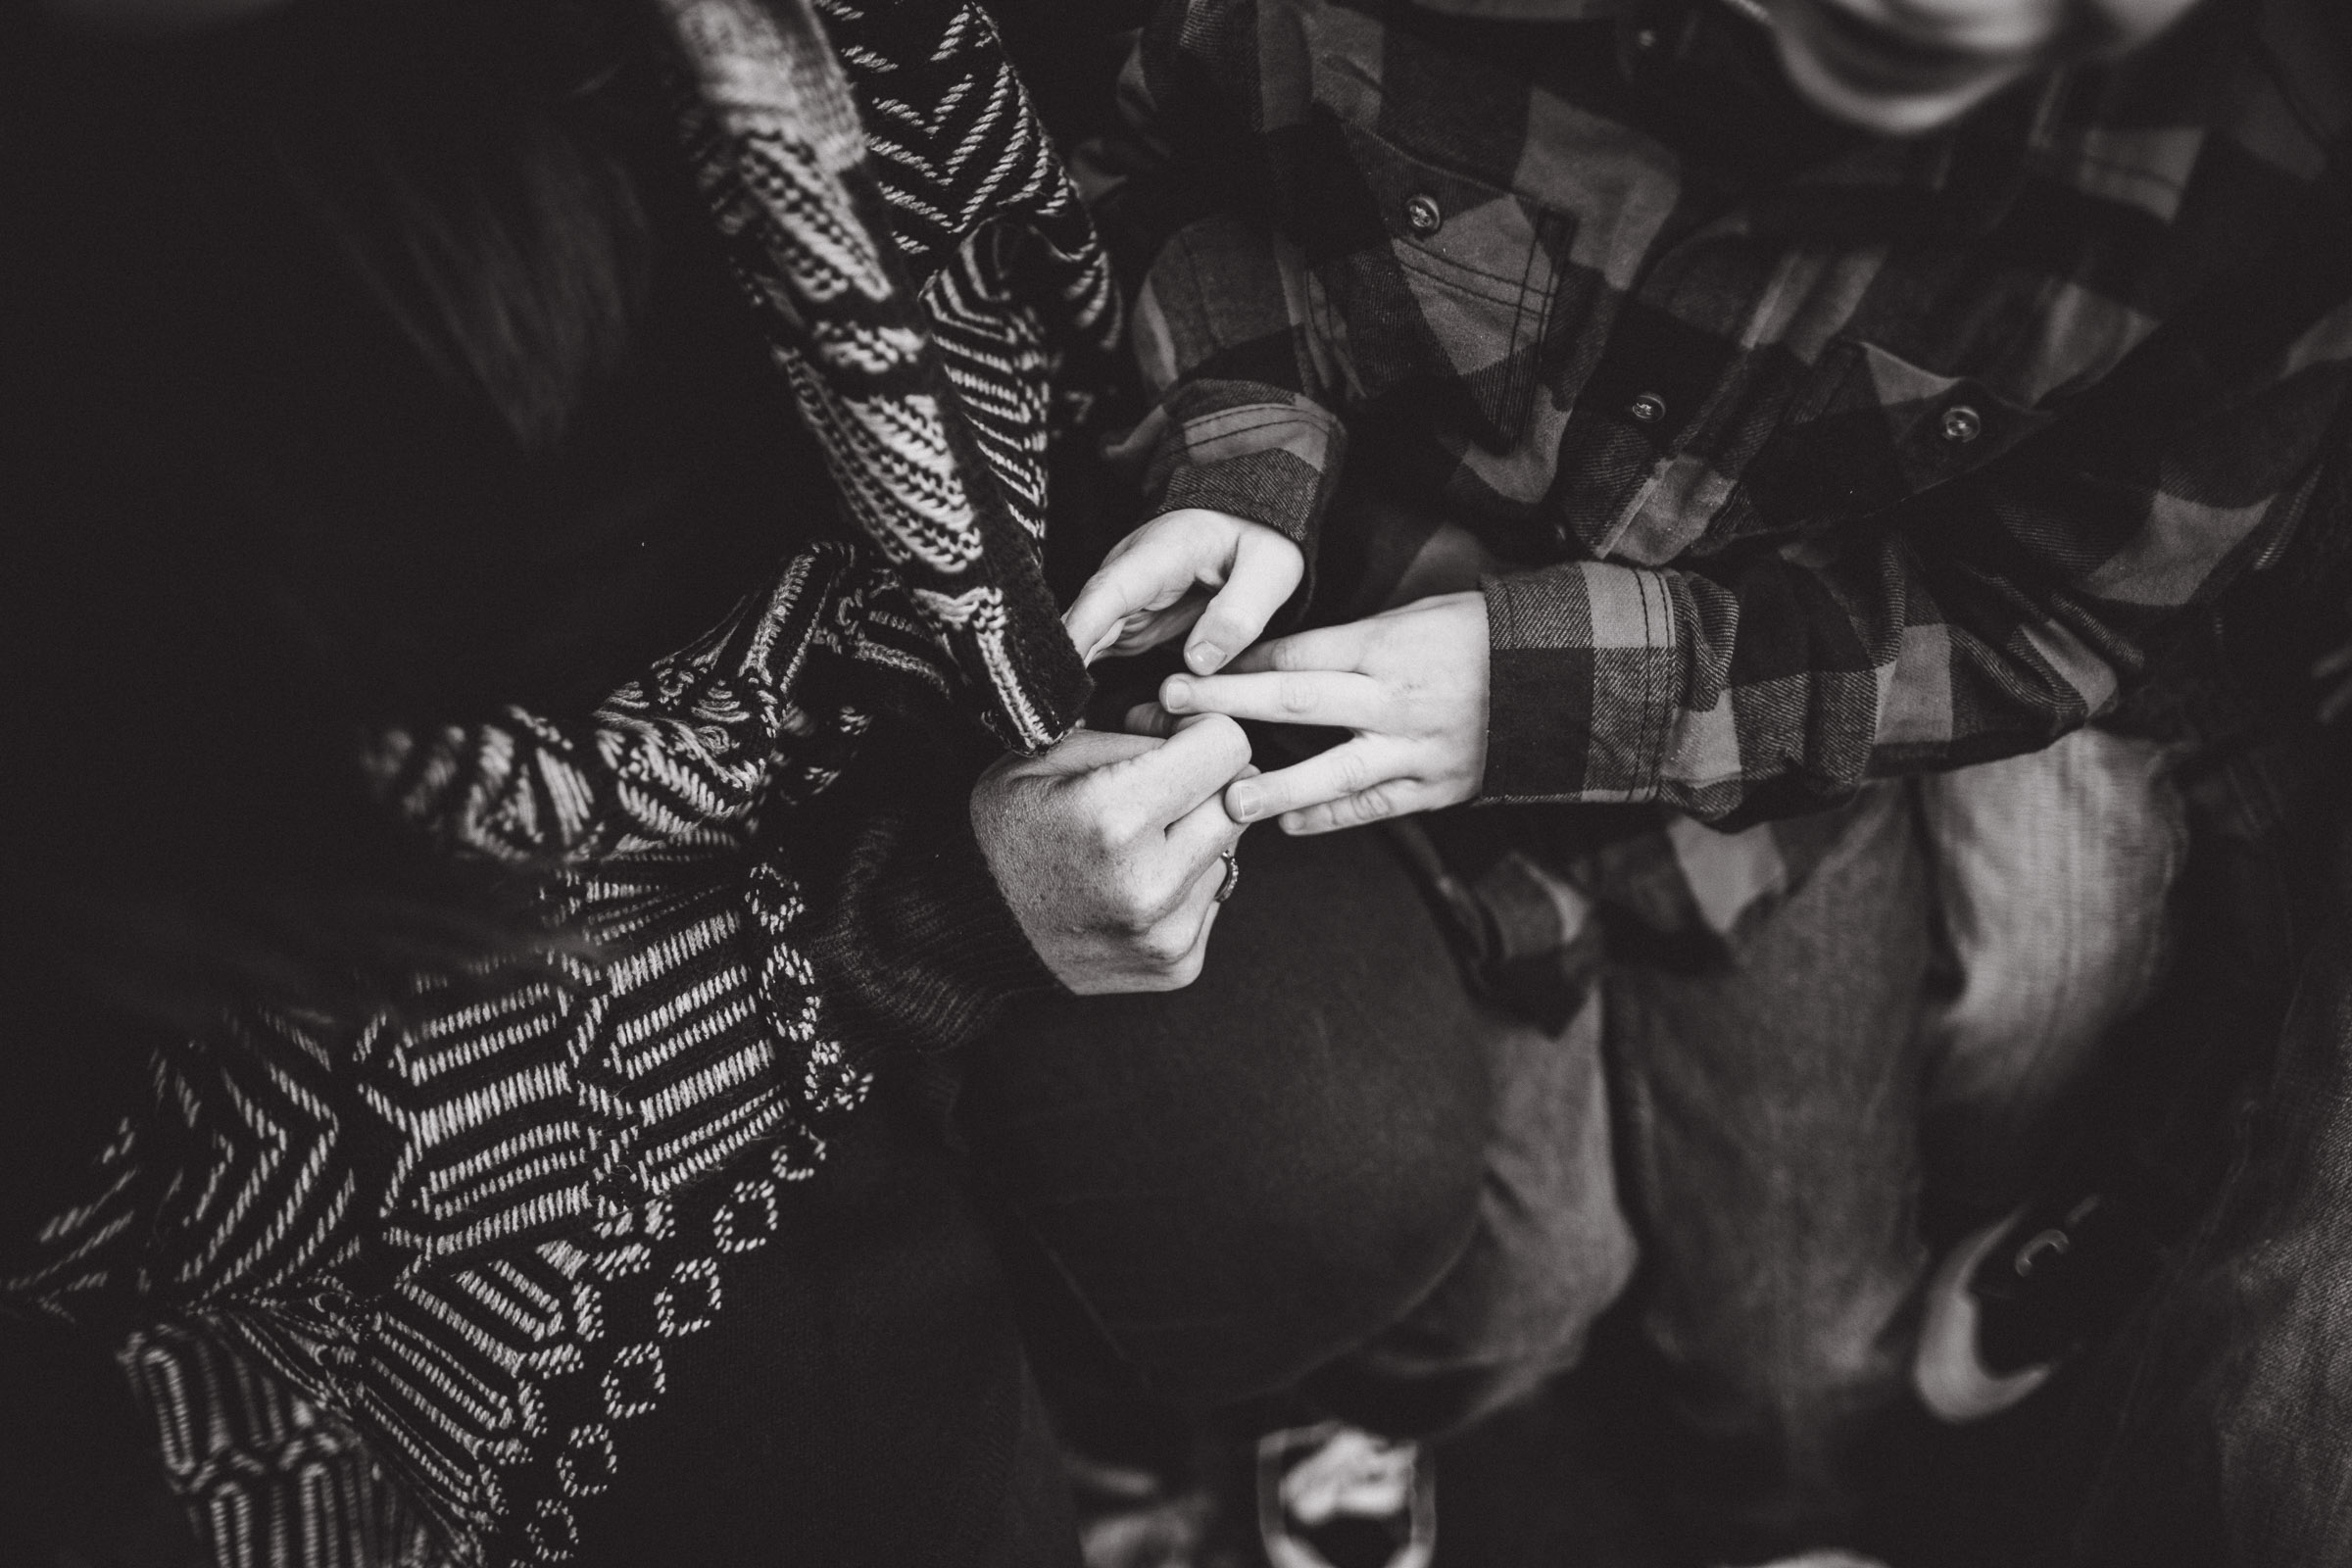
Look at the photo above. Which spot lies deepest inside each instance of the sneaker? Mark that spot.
(1336, 1496)
(2012, 1302)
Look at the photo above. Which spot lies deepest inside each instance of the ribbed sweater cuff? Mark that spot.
(922, 947)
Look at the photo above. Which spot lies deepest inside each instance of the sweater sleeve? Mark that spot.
(914, 947)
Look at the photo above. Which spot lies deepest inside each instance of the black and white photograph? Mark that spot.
(1176, 783)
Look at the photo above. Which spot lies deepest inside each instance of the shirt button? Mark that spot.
(1962, 425)
(1647, 39)
(1423, 215)
(1648, 407)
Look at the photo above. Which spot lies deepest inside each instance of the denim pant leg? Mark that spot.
(2052, 874)
(1211, 1191)
(1551, 1252)
(1768, 1116)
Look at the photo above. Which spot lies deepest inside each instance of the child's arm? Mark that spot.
(1982, 618)
(1240, 450)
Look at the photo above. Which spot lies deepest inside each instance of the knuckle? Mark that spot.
(1104, 819)
(1099, 836)
(1295, 695)
(1124, 822)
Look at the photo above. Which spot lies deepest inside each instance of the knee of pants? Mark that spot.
(2053, 871)
(1797, 1359)
(1301, 1267)
(1479, 1343)
(1245, 1178)
(1552, 1250)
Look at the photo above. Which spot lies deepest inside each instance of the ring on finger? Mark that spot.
(1232, 875)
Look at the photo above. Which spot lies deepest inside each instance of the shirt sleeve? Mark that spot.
(1982, 618)
(1246, 406)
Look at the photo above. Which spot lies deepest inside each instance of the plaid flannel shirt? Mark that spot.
(1799, 458)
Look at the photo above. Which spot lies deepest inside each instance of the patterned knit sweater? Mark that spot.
(390, 1289)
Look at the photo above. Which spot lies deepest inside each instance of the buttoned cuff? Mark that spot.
(1588, 678)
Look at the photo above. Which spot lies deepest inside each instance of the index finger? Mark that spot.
(1324, 648)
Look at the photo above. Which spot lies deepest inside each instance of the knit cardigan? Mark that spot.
(378, 1284)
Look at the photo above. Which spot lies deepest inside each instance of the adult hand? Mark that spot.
(1220, 575)
(1410, 683)
(1108, 848)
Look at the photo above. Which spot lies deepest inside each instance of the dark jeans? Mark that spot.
(1770, 1140)
(1225, 1187)
(1327, 1162)
(1328, 1165)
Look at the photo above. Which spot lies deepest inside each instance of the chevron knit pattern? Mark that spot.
(934, 439)
(404, 1284)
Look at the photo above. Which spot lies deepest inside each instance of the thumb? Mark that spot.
(1267, 572)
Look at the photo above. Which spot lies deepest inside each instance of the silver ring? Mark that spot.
(1232, 875)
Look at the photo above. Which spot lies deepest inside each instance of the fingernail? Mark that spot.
(1241, 803)
(1176, 693)
(1206, 657)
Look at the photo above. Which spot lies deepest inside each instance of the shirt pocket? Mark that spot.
(1441, 307)
(1870, 428)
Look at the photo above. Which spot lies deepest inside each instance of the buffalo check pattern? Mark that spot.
(1802, 458)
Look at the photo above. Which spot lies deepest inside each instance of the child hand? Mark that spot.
(1222, 576)
(1411, 683)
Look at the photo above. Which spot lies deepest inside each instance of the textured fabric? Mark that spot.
(1790, 458)
(1243, 1178)
(400, 1288)
(1767, 1136)
(978, 198)
(1551, 1252)
(2054, 880)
